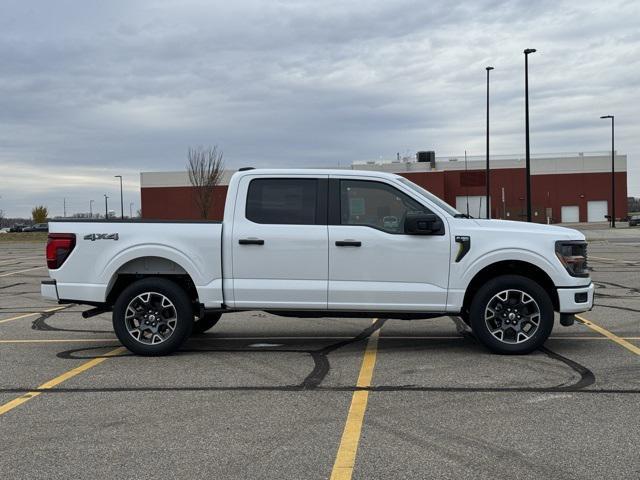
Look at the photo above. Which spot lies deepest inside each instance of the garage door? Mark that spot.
(596, 211)
(570, 214)
(477, 205)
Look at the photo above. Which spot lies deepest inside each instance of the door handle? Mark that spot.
(348, 243)
(251, 241)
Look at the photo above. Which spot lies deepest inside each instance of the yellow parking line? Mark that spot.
(612, 336)
(346, 457)
(58, 340)
(31, 314)
(57, 381)
(21, 271)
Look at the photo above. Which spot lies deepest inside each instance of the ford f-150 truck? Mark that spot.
(322, 243)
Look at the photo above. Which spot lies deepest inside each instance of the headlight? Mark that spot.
(573, 255)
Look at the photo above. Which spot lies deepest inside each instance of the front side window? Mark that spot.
(376, 205)
(290, 201)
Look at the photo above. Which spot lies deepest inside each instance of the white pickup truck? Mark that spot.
(322, 243)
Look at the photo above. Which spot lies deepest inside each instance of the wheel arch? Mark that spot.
(510, 267)
(146, 267)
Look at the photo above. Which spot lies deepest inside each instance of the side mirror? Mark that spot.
(422, 224)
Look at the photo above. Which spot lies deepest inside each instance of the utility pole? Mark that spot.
(526, 110)
(613, 171)
(488, 176)
(64, 208)
(121, 201)
(106, 207)
(466, 180)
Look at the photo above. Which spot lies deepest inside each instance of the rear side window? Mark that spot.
(288, 201)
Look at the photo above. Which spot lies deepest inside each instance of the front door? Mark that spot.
(373, 264)
(279, 243)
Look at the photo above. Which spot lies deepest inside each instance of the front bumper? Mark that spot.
(49, 289)
(576, 299)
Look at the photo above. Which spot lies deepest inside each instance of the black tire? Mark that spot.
(493, 291)
(181, 312)
(206, 322)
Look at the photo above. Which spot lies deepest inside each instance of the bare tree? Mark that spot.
(205, 168)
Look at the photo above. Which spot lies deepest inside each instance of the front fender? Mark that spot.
(470, 270)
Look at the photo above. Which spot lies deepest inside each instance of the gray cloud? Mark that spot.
(90, 89)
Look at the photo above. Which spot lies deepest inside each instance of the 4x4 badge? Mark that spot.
(101, 236)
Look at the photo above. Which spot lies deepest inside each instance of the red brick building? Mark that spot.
(565, 187)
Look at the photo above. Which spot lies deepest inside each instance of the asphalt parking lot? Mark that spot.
(261, 396)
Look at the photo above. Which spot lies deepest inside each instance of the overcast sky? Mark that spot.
(92, 89)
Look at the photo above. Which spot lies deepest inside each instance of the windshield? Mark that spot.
(425, 193)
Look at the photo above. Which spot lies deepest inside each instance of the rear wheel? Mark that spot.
(153, 316)
(207, 322)
(511, 314)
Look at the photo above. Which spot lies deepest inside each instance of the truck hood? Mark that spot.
(562, 233)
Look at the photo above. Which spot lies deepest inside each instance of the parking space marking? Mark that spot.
(20, 259)
(630, 262)
(55, 309)
(612, 336)
(58, 380)
(58, 340)
(346, 456)
(21, 271)
(214, 339)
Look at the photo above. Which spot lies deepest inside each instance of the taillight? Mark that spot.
(59, 247)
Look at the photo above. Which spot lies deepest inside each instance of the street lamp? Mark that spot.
(106, 207)
(613, 178)
(488, 189)
(121, 204)
(91, 208)
(526, 121)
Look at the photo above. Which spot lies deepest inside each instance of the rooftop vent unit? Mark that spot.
(423, 157)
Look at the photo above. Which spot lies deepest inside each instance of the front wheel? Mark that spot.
(511, 314)
(153, 316)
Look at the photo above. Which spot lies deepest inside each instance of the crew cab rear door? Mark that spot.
(373, 263)
(280, 242)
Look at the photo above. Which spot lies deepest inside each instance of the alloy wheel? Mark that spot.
(512, 316)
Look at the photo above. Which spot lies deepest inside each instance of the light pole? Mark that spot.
(526, 122)
(91, 208)
(64, 208)
(613, 177)
(131, 210)
(488, 178)
(121, 201)
(106, 207)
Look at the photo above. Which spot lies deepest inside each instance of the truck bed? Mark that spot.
(106, 249)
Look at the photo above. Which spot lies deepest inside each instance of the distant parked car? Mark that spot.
(634, 220)
(18, 227)
(4, 230)
(38, 227)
